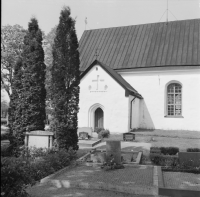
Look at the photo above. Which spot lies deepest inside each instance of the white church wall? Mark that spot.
(135, 116)
(151, 85)
(110, 96)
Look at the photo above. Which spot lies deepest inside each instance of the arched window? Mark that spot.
(174, 99)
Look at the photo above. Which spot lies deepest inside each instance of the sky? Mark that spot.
(99, 13)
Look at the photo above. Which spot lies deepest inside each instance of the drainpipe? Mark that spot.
(131, 113)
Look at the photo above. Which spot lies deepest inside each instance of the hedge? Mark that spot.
(164, 160)
(193, 150)
(18, 173)
(166, 150)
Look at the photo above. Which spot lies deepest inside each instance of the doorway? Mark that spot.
(98, 118)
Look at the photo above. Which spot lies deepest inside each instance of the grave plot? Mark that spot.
(113, 150)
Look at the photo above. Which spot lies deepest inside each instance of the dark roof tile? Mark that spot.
(175, 43)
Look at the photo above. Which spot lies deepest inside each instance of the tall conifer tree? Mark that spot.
(33, 80)
(15, 110)
(65, 82)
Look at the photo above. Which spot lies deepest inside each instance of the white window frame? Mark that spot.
(166, 100)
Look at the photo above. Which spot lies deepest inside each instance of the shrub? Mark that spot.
(97, 130)
(103, 134)
(15, 176)
(193, 150)
(166, 150)
(111, 165)
(164, 160)
(18, 173)
(183, 167)
(6, 151)
(169, 150)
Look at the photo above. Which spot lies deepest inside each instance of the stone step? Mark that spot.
(88, 143)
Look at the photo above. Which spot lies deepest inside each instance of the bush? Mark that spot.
(162, 160)
(103, 134)
(18, 173)
(6, 151)
(15, 176)
(97, 130)
(183, 167)
(111, 165)
(166, 150)
(169, 150)
(193, 150)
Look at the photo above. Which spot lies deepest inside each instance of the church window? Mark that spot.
(174, 99)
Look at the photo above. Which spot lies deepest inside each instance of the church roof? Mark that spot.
(129, 89)
(176, 43)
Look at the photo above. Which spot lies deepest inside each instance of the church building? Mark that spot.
(141, 77)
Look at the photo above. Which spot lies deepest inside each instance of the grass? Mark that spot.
(158, 138)
(180, 139)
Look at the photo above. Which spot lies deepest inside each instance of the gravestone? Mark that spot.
(113, 150)
(83, 136)
(85, 129)
(39, 139)
(128, 136)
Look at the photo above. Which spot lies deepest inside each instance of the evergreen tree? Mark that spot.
(33, 80)
(65, 82)
(16, 135)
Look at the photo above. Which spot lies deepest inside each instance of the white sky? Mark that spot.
(99, 13)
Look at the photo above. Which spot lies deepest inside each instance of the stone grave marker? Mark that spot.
(113, 148)
(83, 135)
(85, 129)
(39, 139)
(128, 136)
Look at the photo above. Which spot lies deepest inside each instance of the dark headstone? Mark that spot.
(83, 136)
(85, 129)
(113, 150)
(128, 136)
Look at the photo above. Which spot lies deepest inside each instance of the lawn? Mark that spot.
(180, 139)
(158, 138)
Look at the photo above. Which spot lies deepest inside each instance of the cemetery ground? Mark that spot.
(91, 180)
(80, 180)
(155, 138)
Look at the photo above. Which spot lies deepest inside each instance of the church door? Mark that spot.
(98, 118)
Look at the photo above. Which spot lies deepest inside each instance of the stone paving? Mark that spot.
(129, 176)
(130, 181)
(181, 180)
